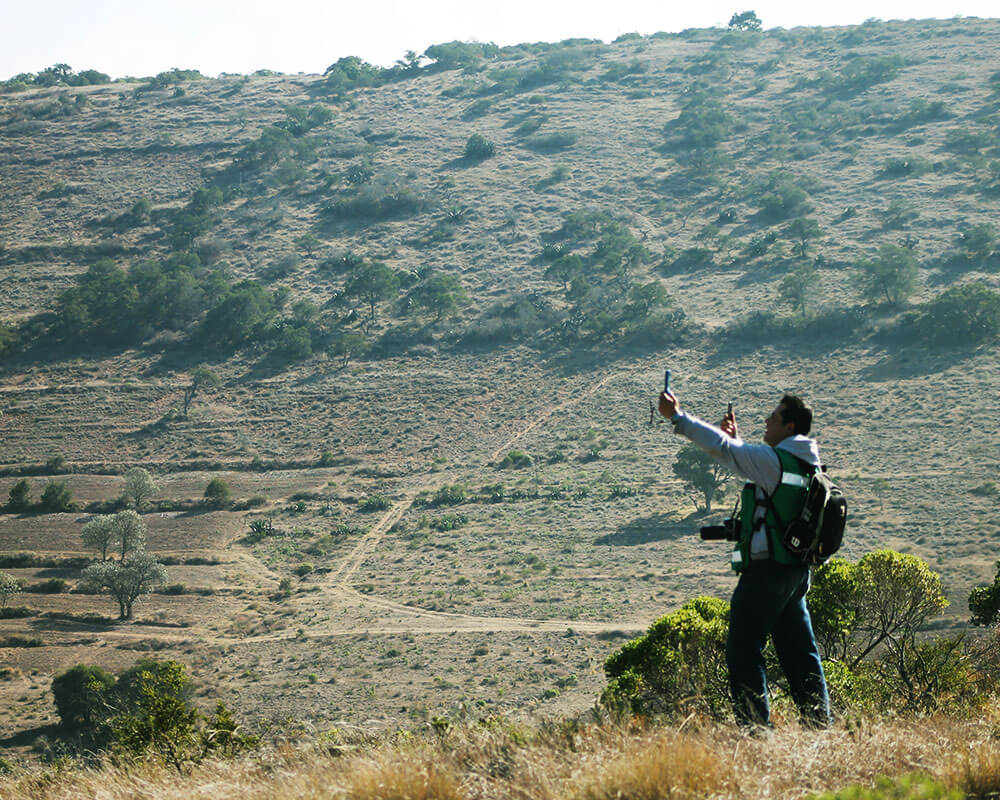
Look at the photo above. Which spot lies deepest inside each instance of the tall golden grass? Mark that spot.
(563, 761)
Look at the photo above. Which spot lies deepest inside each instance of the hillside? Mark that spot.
(644, 204)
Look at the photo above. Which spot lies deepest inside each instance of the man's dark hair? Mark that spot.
(798, 413)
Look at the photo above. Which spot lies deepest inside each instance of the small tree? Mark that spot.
(348, 345)
(439, 293)
(139, 487)
(100, 534)
(127, 580)
(217, 493)
(372, 282)
(979, 242)
(8, 588)
(890, 276)
(700, 472)
(201, 377)
(747, 21)
(57, 497)
(81, 696)
(799, 286)
(803, 230)
(19, 498)
(130, 532)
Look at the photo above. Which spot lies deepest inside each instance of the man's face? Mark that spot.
(776, 430)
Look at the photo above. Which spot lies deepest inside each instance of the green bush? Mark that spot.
(82, 696)
(964, 315)
(19, 498)
(516, 459)
(984, 602)
(217, 493)
(449, 495)
(905, 788)
(378, 502)
(479, 147)
(57, 497)
(678, 666)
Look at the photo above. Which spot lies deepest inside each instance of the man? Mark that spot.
(770, 597)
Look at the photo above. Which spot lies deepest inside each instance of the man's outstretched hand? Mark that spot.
(728, 425)
(668, 405)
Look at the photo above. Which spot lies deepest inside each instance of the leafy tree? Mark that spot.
(130, 532)
(201, 377)
(804, 230)
(348, 345)
(57, 497)
(19, 497)
(677, 666)
(439, 293)
(890, 276)
(127, 580)
(8, 588)
(564, 269)
(81, 696)
(160, 718)
(217, 493)
(139, 487)
(241, 315)
(372, 282)
(984, 602)
(799, 286)
(308, 242)
(101, 534)
(746, 21)
(882, 601)
(700, 472)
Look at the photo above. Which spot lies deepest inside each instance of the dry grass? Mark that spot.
(597, 762)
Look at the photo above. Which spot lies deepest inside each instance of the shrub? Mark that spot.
(479, 147)
(516, 459)
(9, 587)
(984, 602)
(701, 474)
(449, 495)
(679, 665)
(19, 498)
(377, 502)
(81, 696)
(57, 497)
(891, 276)
(960, 316)
(910, 786)
(217, 493)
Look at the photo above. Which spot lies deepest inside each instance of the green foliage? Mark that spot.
(81, 695)
(217, 493)
(56, 497)
(56, 75)
(700, 473)
(449, 495)
(516, 459)
(883, 600)
(703, 123)
(800, 286)
(388, 195)
(782, 198)
(19, 497)
(460, 55)
(439, 293)
(861, 73)
(200, 378)
(908, 787)
(984, 602)
(347, 345)
(372, 282)
(746, 21)
(964, 315)
(891, 276)
(377, 502)
(979, 242)
(678, 666)
(479, 147)
(351, 72)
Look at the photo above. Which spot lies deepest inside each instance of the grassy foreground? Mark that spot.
(698, 759)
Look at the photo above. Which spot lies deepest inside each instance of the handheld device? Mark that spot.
(666, 381)
(730, 409)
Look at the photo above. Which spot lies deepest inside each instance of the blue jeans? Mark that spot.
(770, 599)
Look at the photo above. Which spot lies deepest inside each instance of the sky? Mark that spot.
(136, 38)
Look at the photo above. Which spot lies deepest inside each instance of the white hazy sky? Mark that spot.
(139, 38)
